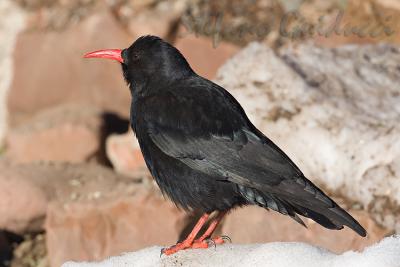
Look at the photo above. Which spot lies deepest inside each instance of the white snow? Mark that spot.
(386, 254)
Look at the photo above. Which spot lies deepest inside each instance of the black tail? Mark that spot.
(304, 199)
(309, 201)
(331, 218)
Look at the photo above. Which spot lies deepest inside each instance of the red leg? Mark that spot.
(189, 239)
(211, 228)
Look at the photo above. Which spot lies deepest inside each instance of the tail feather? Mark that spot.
(332, 218)
(308, 201)
(349, 221)
(319, 218)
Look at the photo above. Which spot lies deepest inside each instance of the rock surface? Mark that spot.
(28, 189)
(264, 226)
(333, 111)
(201, 54)
(11, 23)
(159, 20)
(124, 153)
(32, 187)
(64, 133)
(102, 226)
(277, 254)
(87, 211)
(50, 69)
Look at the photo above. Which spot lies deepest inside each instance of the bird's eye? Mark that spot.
(135, 56)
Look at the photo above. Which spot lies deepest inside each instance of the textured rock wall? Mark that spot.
(10, 25)
(334, 111)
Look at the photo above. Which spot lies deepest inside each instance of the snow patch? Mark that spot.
(279, 254)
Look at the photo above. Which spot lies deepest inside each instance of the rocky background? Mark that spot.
(73, 185)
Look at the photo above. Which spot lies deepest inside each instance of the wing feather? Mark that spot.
(244, 160)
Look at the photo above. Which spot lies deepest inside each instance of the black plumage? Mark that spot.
(204, 152)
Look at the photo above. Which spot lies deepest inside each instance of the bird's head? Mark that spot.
(148, 59)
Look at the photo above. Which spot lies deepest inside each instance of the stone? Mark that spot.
(65, 133)
(159, 20)
(390, 4)
(11, 23)
(334, 111)
(30, 252)
(93, 230)
(124, 153)
(201, 54)
(358, 24)
(255, 225)
(23, 203)
(94, 211)
(49, 69)
(27, 190)
(38, 196)
(236, 22)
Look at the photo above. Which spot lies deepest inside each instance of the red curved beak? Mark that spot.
(106, 53)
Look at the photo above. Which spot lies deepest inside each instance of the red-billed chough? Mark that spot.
(204, 152)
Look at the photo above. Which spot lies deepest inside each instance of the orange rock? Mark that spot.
(88, 212)
(68, 133)
(50, 70)
(256, 225)
(27, 189)
(199, 51)
(124, 153)
(358, 25)
(98, 229)
(158, 20)
(23, 203)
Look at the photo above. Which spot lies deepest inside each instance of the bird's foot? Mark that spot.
(185, 245)
(202, 242)
(175, 248)
(197, 244)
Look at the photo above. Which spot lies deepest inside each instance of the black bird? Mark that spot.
(202, 149)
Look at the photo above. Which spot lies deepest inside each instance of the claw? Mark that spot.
(226, 238)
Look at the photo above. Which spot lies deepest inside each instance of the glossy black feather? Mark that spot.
(202, 149)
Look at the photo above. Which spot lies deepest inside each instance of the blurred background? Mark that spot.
(321, 78)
